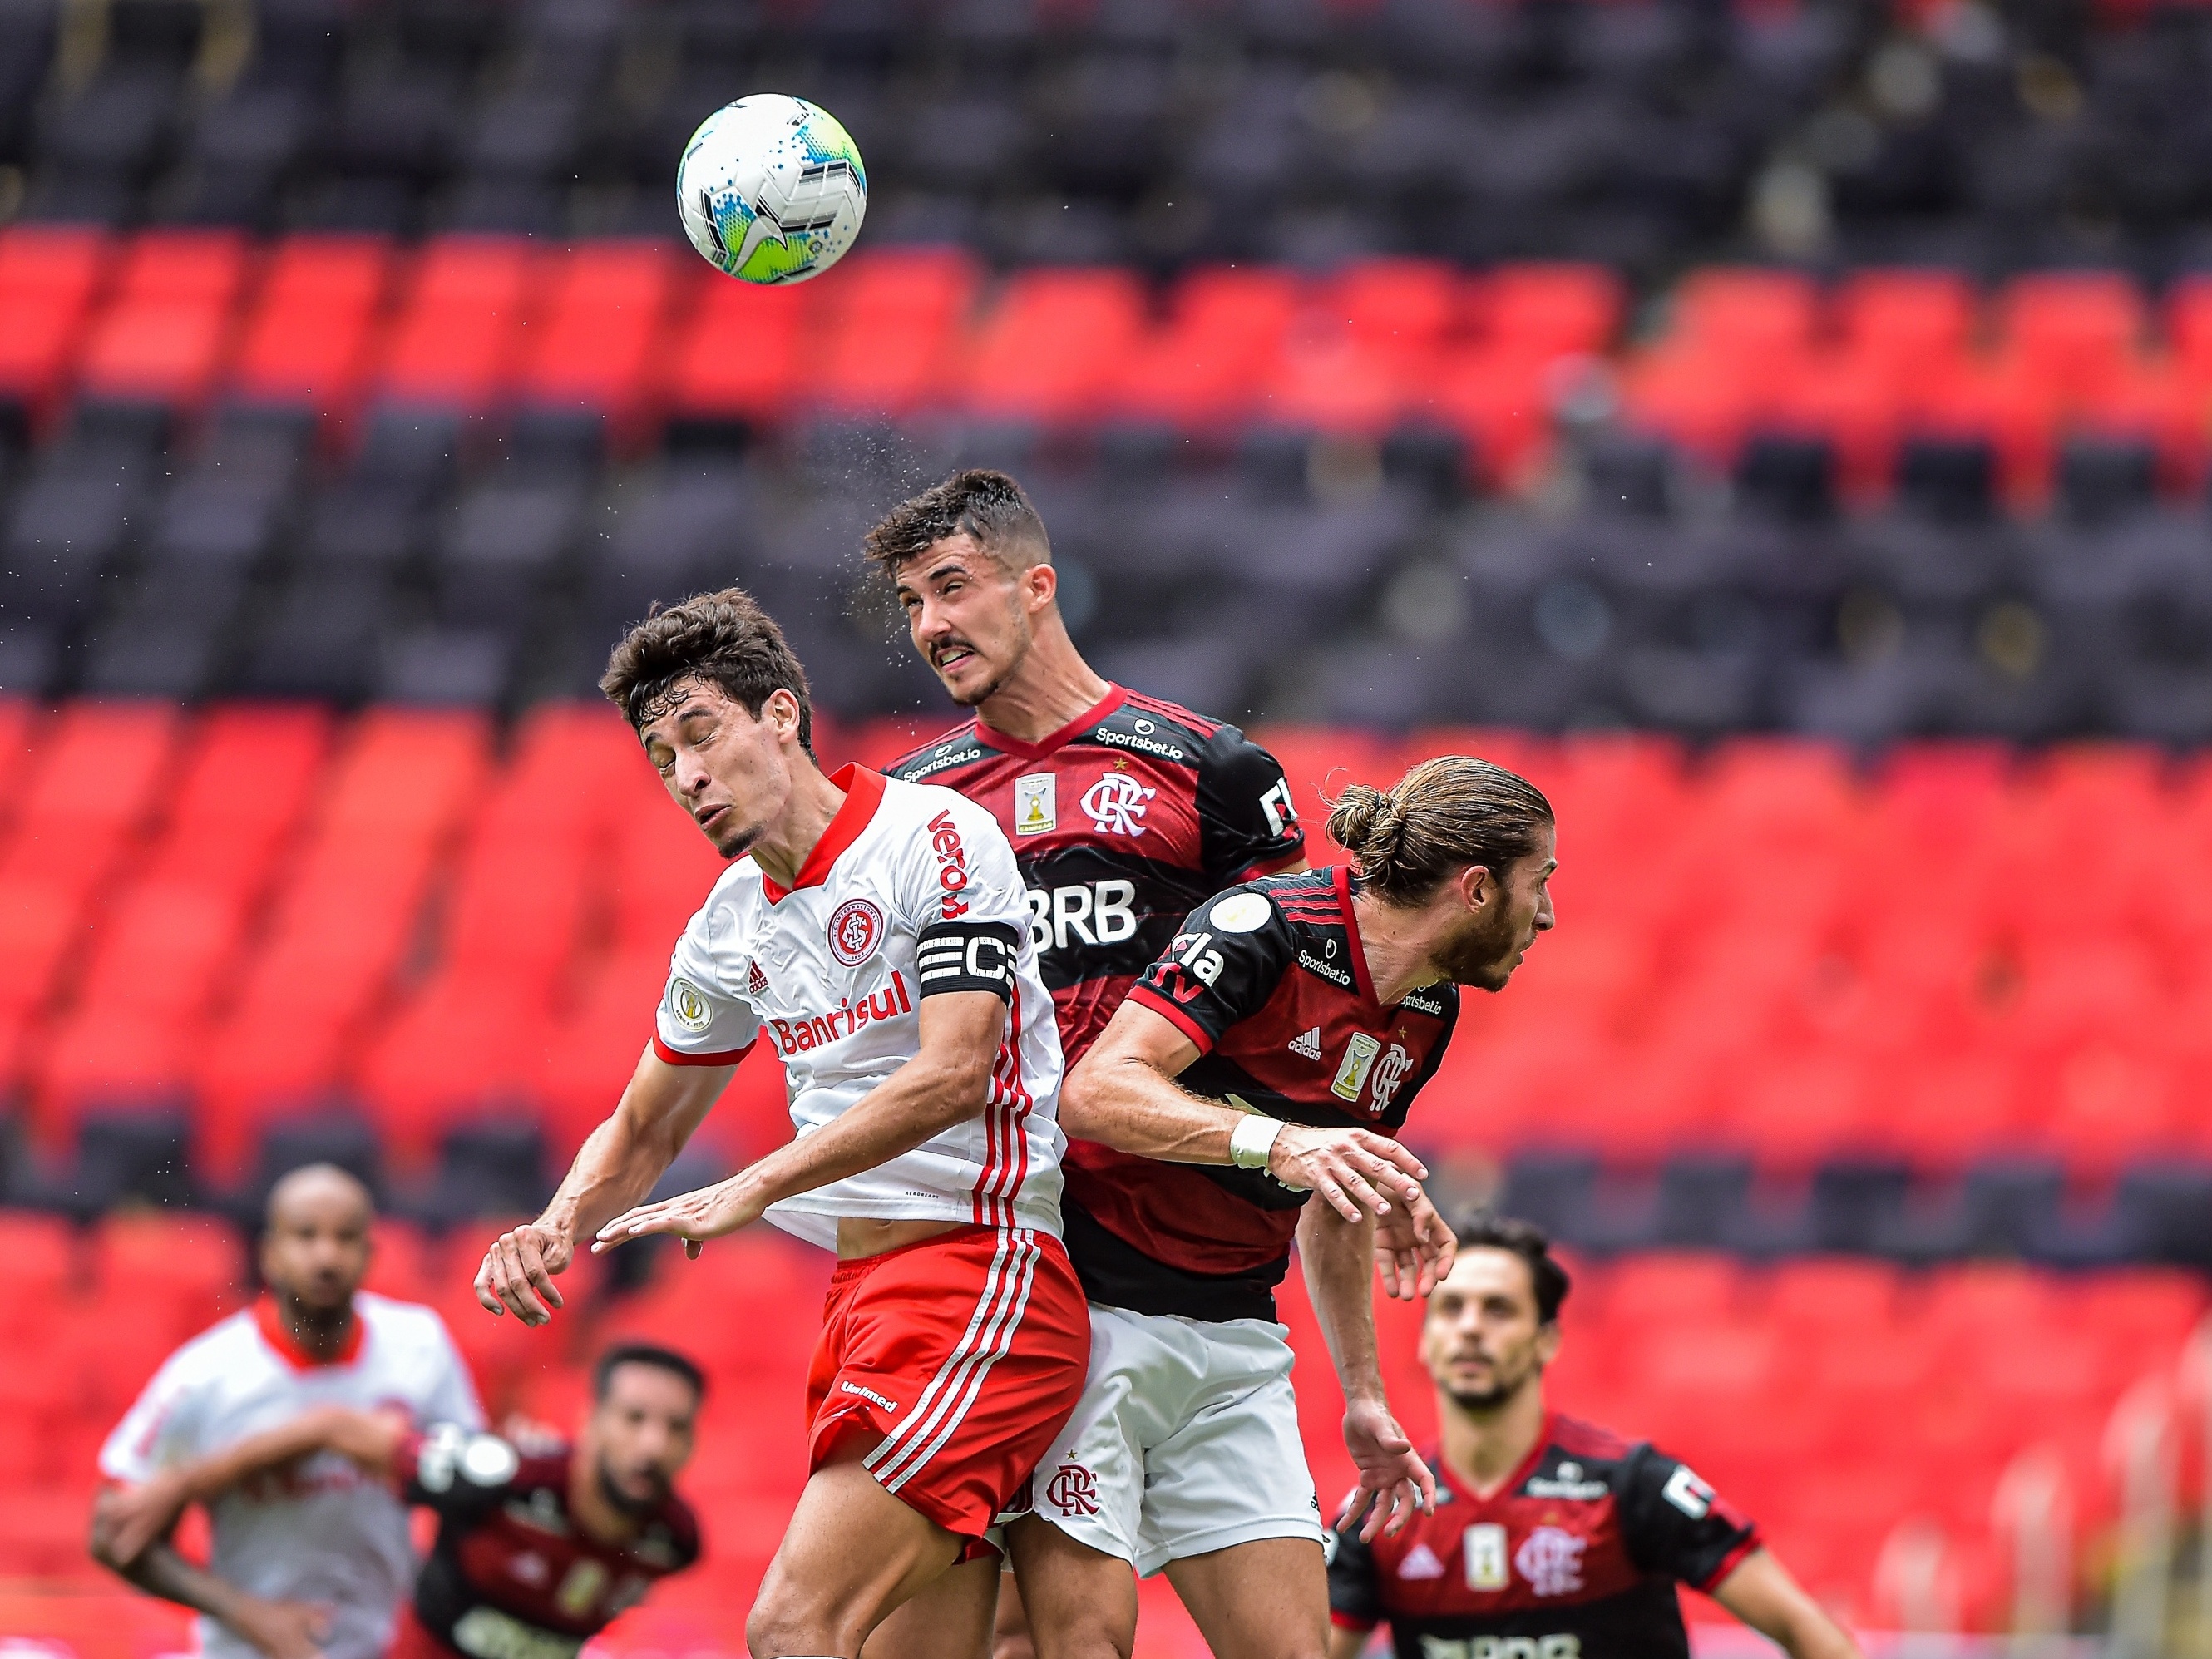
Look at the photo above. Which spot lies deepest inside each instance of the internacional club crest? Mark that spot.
(854, 928)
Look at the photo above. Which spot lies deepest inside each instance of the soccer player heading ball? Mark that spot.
(876, 933)
(1549, 1537)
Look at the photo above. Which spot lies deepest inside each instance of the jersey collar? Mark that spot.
(1341, 876)
(864, 792)
(1462, 1483)
(1115, 695)
(279, 1337)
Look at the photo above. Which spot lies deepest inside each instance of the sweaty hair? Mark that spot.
(724, 639)
(645, 1353)
(1484, 1228)
(988, 506)
(1444, 815)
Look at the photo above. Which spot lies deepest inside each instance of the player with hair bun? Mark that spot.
(1269, 1053)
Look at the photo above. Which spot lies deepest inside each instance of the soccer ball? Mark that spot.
(771, 189)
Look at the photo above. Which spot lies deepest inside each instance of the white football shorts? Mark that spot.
(1186, 1440)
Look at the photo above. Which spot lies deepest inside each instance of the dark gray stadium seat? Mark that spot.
(130, 1150)
(1552, 1188)
(492, 1167)
(321, 638)
(503, 542)
(1699, 1200)
(445, 666)
(331, 1131)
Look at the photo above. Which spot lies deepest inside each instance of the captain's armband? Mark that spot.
(967, 955)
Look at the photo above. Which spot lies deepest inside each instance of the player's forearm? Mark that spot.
(161, 1571)
(919, 1102)
(622, 1159)
(1129, 1104)
(368, 1440)
(1337, 1258)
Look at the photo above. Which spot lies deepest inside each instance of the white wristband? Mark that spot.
(1252, 1139)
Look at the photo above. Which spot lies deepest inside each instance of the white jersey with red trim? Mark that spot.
(912, 889)
(321, 1531)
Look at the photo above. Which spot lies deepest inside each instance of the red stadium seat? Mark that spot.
(741, 351)
(889, 324)
(2072, 330)
(596, 340)
(1499, 399)
(1053, 346)
(1221, 343)
(1540, 311)
(407, 1264)
(41, 1252)
(177, 1273)
(305, 341)
(162, 335)
(268, 1055)
(458, 336)
(49, 275)
(453, 1052)
(1747, 312)
(1903, 320)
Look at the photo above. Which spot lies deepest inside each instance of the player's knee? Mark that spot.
(786, 1623)
(1081, 1633)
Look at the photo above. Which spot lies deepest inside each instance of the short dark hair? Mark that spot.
(644, 1353)
(988, 506)
(1484, 1228)
(725, 639)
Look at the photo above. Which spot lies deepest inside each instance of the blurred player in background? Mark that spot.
(1264, 1057)
(541, 1544)
(1549, 1537)
(313, 1559)
(877, 932)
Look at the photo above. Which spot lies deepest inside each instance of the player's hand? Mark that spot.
(281, 1630)
(710, 1213)
(1414, 1250)
(128, 1520)
(1355, 1172)
(1394, 1482)
(517, 1272)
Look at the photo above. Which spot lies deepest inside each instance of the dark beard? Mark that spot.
(1480, 955)
(634, 1507)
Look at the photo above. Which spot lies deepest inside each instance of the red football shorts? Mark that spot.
(961, 1357)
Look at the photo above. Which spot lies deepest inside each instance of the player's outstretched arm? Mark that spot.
(1760, 1591)
(1122, 1094)
(618, 1163)
(1338, 1259)
(278, 1629)
(130, 1519)
(946, 1082)
(1414, 1250)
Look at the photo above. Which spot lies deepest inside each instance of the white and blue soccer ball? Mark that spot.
(771, 189)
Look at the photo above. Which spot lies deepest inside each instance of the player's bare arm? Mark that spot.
(944, 1084)
(1122, 1094)
(1414, 1250)
(1394, 1482)
(278, 1630)
(617, 1166)
(132, 1518)
(1761, 1592)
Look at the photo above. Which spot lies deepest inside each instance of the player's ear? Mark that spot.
(1547, 1343)
(1040, 585)
(1476, 888)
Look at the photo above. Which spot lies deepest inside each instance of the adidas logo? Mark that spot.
(756, 981)
(1420, 1561)
(1308, 1045)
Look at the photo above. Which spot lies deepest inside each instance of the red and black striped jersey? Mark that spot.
(1121, 822)
(1270, 982)
(1575, 1556)
(512, 1571)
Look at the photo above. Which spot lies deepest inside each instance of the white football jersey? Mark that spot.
(911, 891)
(321, 1531)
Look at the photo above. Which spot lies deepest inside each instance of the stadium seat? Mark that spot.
(741, 353)
(1217, 344)
(889, 321)
(456, 340)
(161, 336)
(2073, 332)
(306, 339)
(1051, 347)
(598, 339)
(48, 276)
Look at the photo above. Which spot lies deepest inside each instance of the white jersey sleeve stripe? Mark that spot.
(994, 1283)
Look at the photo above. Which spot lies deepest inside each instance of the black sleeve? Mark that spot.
(1247, 825)
(1675, 1524)
(1222, 968)
(1355, 1593)
(460, 1473)
(967, 955)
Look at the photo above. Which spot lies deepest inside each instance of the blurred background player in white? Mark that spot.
(877, 933)
(541, 1543)
(1550, 1536)
(315, 1558)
